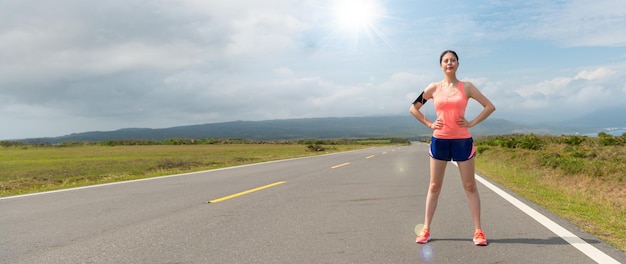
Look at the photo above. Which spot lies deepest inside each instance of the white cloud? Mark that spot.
(588, 90)
(584, 23)
(262, 34)
(570, 23)
(549, 87)
(599, 73)
(283, 72)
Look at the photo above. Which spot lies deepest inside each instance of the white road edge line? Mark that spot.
(577, 242)
(145, 179)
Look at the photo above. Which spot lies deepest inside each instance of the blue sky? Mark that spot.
(72, 66)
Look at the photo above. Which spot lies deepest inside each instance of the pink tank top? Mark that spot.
(450, 108)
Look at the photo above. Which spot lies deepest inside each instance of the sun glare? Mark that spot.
(356, 18)
(354, 15)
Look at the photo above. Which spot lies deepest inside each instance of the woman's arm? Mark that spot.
(488, 107)
(417, 105)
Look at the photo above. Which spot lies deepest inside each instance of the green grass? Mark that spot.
(578, 178)
(26, 169)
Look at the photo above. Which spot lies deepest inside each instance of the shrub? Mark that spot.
(578, 154)
(573, 140)
(481, 149)
(549, 160)
(569, 165)
(527, 141)
(315, 147)
(11, 143)
(531, 141)
(608, 140)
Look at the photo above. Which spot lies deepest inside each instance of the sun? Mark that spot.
(353, 19)
(354, 16)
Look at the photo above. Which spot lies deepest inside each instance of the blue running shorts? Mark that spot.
(452, 149)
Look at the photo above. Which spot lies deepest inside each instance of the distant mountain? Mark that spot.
(309, 128)
(610, 117)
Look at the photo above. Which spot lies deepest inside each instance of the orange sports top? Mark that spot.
(450, 108)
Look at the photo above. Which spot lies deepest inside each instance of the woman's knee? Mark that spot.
(434, 188)
(470, 187)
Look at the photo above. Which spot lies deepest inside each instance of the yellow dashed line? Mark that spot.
(340, 165)
(246, 192)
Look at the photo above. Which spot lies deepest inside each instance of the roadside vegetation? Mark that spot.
(580, 178)
(27, 168)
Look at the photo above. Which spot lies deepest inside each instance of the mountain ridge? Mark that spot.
(306, 128)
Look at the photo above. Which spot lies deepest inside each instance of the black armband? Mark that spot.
(420, 99)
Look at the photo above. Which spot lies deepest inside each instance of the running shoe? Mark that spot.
(423, 237)
(479, 238)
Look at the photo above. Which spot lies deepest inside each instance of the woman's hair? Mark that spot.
(448, 51)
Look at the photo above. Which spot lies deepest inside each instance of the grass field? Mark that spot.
(26, 169)
(582, 179)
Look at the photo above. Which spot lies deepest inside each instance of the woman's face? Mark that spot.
(449, 63)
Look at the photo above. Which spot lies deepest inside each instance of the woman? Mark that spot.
(451, 139)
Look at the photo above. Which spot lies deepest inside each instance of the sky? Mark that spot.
(71, 66)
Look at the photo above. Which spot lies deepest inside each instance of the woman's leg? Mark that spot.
(466, 168)
(437, 171)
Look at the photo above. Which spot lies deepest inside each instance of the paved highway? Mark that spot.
(353, 207)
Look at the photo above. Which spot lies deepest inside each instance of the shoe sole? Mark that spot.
(423, 242)
(480, 244)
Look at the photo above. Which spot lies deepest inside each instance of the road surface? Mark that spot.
(353, 207)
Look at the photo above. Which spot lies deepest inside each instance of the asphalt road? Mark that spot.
(354, 207)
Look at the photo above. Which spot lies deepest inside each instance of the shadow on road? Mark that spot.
(532, 241)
